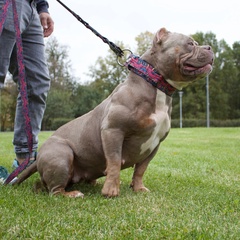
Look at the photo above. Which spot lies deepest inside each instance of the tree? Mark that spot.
(107, 73)
(86, 98)
(223, 80)
(8, 96)
(59, 108)
(235, 87)
(59, 65)
(59, 102)
(144, 42)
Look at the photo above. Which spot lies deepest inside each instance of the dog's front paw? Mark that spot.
(111, 188)
(139, 188)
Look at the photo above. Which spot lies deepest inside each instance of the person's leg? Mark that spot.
(37, 78)
(7, 42)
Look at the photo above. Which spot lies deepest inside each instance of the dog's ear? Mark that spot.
(160, 35)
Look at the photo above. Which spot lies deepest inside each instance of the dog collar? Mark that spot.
(147, 72)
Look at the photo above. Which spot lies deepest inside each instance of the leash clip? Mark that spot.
(123, 64)
(119, 52)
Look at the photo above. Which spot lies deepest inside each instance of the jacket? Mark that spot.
(42, 6)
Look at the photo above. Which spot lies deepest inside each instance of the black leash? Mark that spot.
(118, 51)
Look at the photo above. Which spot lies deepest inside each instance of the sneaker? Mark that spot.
(3, 174)
(16, 163)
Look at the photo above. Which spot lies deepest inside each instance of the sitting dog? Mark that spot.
(126, 129)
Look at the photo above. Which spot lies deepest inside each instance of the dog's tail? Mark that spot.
(26, 173)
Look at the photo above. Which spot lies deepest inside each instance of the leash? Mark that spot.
(117, 50)
(4, 15)
(22, 84)
(134, 63)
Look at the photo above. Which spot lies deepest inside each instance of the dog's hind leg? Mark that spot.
(40, 187)
(56, 169)
(58, 180)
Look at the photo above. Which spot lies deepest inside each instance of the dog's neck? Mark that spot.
(147, 72)
(178, 85)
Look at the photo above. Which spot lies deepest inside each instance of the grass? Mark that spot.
(195, 194)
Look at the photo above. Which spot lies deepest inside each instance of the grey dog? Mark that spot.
(126, 129)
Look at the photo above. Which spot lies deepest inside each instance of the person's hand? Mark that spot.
(47, 23)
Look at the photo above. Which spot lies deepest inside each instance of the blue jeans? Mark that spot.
(37, 76)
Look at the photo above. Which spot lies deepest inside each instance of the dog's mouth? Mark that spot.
(193, 70)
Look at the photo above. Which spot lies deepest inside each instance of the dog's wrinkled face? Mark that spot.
(198, 61)
(181, 53)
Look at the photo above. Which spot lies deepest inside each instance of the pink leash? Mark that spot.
(22, 84)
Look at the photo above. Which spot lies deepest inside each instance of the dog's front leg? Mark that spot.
(112, 140)
(137, 179)
(139, 170)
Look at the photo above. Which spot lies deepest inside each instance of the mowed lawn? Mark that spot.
(195, 194)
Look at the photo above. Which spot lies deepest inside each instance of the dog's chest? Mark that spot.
(161, 117)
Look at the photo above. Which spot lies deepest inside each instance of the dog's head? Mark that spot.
(180, 59)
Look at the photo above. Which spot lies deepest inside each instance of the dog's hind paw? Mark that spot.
(74, 194)
(71, 194)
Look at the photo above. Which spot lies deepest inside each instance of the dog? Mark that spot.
(126, 129)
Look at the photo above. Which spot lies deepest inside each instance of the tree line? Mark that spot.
(69, 98)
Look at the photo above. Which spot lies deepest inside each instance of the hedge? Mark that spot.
(203, 123)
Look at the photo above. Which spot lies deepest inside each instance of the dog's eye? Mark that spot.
(191, 43)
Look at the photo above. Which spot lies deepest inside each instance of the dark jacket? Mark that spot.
(42, 5)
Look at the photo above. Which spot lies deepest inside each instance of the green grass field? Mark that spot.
(195, 194)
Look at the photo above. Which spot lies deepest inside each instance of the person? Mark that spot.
(35, 23)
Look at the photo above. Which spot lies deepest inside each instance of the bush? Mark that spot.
(58, 122)
(203, 123)
(225, 123)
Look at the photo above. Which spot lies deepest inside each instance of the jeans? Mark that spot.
(37, 75)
